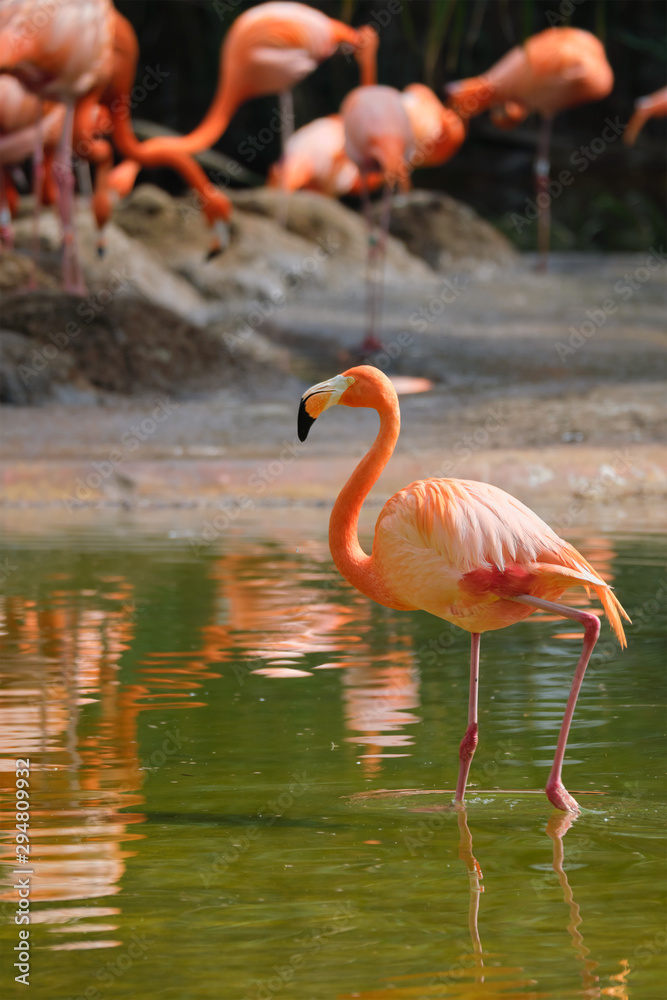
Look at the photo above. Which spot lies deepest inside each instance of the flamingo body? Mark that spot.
(438, 131)
(460, 550)
(315, 158)
(464, 551)
(553, 70)
(60, 54)
(378, 135)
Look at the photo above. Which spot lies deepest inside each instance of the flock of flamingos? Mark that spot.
(467, 552)
(68, 69)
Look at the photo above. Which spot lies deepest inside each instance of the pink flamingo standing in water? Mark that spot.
(378, 138)
(61, 52)
(553, 70)
(466, 552)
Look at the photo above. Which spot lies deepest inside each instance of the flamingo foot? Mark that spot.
(559, 797)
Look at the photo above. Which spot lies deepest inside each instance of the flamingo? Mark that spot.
(653, 106)
(268, 50)
(315, 156)
(114, 109)
(61, 52)
(315, 159)
(464, 551)
(28, 127)
(553, 70)
(438, 131)
(378, 137)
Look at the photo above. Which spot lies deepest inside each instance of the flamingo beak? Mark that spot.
(319, 398)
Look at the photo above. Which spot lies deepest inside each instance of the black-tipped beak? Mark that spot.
(304, 422)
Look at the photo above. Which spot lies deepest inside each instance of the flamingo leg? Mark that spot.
(556, 791)
(542, 169)
(377, 236)
(476, 888)
(557, 827)
(72, 277)
(38, 174)
(287, 121)
(469, 741)
(6, 231)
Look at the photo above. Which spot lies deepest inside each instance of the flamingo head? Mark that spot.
(363, 386)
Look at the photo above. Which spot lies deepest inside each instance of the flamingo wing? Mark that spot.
(462, 550)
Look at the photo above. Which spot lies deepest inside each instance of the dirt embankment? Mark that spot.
(571, 361)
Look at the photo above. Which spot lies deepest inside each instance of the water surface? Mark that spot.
(241, 778)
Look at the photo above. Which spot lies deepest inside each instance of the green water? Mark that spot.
(200, 830)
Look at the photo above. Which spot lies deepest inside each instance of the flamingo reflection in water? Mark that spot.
(83, 768)
(59, 658)
(480, 981)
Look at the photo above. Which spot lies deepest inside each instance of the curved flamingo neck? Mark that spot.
(348, 555)
(214, 123)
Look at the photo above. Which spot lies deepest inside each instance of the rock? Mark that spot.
(130, 348)
(336, 231)
(127, 269)
(29, 376)
(130, 269)
(17, 270)
(447, 234)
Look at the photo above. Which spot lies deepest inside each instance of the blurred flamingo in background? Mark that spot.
(268, 50)
(61, 52)
(653, 106)
(466, 552)
(314, 156)
(315, 159)
(438, 131)
(378, 138)
(29, 127)
(556, 69)
(118, 182)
